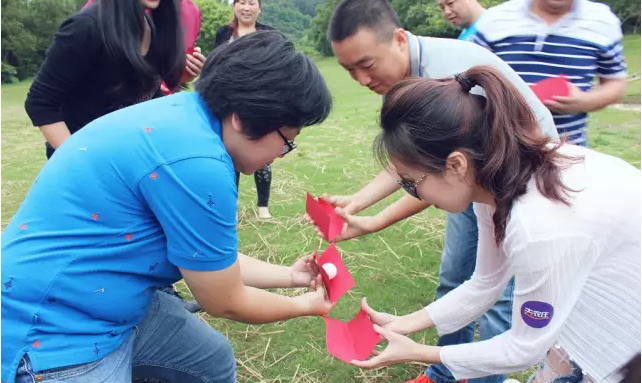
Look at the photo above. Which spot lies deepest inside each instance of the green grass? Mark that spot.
(632, 55)
(396, 269)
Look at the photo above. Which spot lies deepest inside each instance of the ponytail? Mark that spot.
(425, 120)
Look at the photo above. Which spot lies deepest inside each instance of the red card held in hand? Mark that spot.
(327, 220)
(336, 277)
(354, 340)
(546, 89)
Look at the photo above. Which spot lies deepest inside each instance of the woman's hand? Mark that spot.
(400, 349)
(194, 64)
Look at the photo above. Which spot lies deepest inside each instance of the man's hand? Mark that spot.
(575, 102)
(304, 271)
(354, 226)
(194, 64)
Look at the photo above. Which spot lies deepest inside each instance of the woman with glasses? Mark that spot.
(149, 198)
(562, 220)
(246, 14)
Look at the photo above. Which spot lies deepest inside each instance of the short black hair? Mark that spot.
(350, 15)
(266, 83)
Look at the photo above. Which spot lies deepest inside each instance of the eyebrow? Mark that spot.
(360, 61)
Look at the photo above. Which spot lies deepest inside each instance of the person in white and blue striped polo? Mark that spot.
(580, 39)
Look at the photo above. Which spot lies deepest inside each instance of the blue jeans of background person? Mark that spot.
(457, 265)
(169, 345)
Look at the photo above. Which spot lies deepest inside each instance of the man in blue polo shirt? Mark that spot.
(580, 39)
(463, 14)
(141, 198)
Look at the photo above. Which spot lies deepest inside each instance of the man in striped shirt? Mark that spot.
(580, 39)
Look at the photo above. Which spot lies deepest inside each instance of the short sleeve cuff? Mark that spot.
(194, 263)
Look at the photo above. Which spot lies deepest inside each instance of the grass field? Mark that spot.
(632, 50)
(396, 269)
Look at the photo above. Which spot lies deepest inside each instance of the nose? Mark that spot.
(362, 78)
(447, 12)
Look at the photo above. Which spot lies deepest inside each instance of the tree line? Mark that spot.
(28, 25)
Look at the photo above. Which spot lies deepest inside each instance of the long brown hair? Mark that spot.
(235, 21)
(424, 120)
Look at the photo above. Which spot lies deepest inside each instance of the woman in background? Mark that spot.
(246, 13)
(111, 55)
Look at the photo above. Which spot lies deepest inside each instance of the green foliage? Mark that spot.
(9, 74)
(27, 30)
(317, 34)
(286, 17)
(213, 15)
(307, 7)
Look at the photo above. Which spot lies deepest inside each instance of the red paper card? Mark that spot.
(546, 89)
(327, 220)
(354, 340)
(342, 282)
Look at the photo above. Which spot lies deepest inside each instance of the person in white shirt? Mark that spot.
(563, 220)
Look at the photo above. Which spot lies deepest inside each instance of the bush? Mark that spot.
(9, 74)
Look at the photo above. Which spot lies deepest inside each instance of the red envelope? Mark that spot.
(327, 220)
(354, 340)
(546, 89)
(342, 282)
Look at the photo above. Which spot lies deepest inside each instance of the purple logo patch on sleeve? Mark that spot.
(537, 314)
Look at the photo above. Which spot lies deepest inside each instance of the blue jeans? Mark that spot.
(457, 265)
(169, 345)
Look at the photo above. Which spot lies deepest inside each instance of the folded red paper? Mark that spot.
(546, 89)
(336, 277)
(354, 340)
(323, 215)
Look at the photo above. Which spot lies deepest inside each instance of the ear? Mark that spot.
(236, 123)
(400, 38)
(457, 164)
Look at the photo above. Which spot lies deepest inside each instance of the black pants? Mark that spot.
(263, 180)
(49, 150)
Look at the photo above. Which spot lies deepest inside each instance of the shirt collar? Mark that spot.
(576, 9)
(413, 49)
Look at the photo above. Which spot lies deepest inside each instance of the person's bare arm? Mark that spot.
(358, 226)
(55, 133)
(610, 91)
(264, 275)
(223, 294)
(383, 185)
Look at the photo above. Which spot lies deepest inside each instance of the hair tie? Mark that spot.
(465, 82)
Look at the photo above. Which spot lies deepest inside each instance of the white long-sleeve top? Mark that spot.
(583, 260)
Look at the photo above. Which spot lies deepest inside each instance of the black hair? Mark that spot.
(632, 370)
(350, 15)
(122, 27)
(266, 83)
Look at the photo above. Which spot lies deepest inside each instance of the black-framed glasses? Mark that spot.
(289, 146)
(411, 187)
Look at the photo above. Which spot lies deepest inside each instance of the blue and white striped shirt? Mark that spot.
(584, 44)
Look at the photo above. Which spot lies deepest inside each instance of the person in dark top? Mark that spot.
(111, 55)
(246, 13)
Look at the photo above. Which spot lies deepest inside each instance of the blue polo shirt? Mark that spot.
(583, 44)
(117, 210)
(468, 33)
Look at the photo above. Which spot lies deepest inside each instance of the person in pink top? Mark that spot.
(191, 21)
